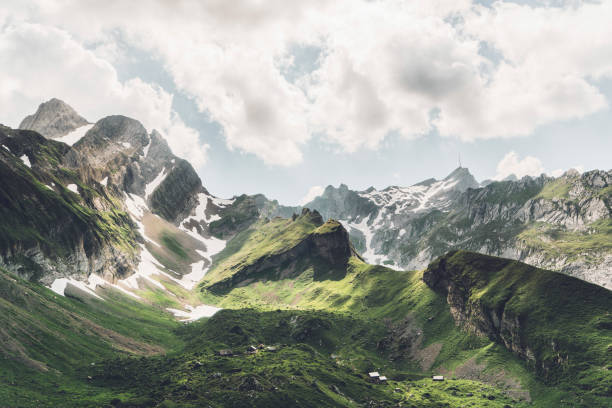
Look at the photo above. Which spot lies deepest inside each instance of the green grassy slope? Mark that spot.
(575, 331)
(48, 339)
(561, 325)
(304, 371)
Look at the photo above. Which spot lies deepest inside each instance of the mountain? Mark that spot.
(114, 208)
(53, 119)
(563, 223)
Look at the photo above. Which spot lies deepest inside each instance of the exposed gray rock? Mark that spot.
(53, 119)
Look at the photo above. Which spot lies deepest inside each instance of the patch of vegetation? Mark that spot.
(173, 245)
(265, 238)
(555, 242)
(558, 188)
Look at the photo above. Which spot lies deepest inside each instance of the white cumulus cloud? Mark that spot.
(512, 164)
(312, 193)
(383, 67)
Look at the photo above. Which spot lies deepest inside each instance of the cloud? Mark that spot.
(384, 67)
(556, 173)
(512, 164)
(312, 193)
(40, 62)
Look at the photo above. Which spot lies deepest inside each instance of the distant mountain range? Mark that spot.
(562, 224)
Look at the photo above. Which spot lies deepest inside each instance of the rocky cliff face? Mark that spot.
(562, 224)
(53, 119)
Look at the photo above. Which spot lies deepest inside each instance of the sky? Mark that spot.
(286, 97)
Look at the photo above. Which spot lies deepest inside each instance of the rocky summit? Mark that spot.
(53, 119)
(125, 283)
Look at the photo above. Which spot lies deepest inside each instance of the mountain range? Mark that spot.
(125, 282)
(562, 224)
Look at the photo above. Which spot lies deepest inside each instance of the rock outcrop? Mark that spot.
(53, 224)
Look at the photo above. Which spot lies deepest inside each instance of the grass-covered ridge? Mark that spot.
(561, 326)
(266, 238)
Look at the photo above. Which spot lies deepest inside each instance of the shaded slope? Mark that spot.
(52, 221)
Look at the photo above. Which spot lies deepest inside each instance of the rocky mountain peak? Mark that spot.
(464, 179)
(53, 119)
(118, 129)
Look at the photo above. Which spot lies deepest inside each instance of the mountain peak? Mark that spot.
(53, 119)
(458, 172)
(464, 179)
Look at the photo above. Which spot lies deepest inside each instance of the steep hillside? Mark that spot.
(561, 326)
(558, 223)
(112, 206)
(275, 248)
(53, 223)
(47, 340)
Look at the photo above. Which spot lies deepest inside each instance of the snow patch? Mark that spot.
(194, 313)
(76, 135)
(146, 149)
(49, 187)
(95, 281)
(59, 286)
(126, 145)
(222, 202)
(150, 188)
(26, 161)
(135, 205)
(368, 255)
(104, 181)
(198, 271)
(147, 267)
(73, 188)
(6, 148)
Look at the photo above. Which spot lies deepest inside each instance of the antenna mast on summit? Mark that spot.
(459, 156)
